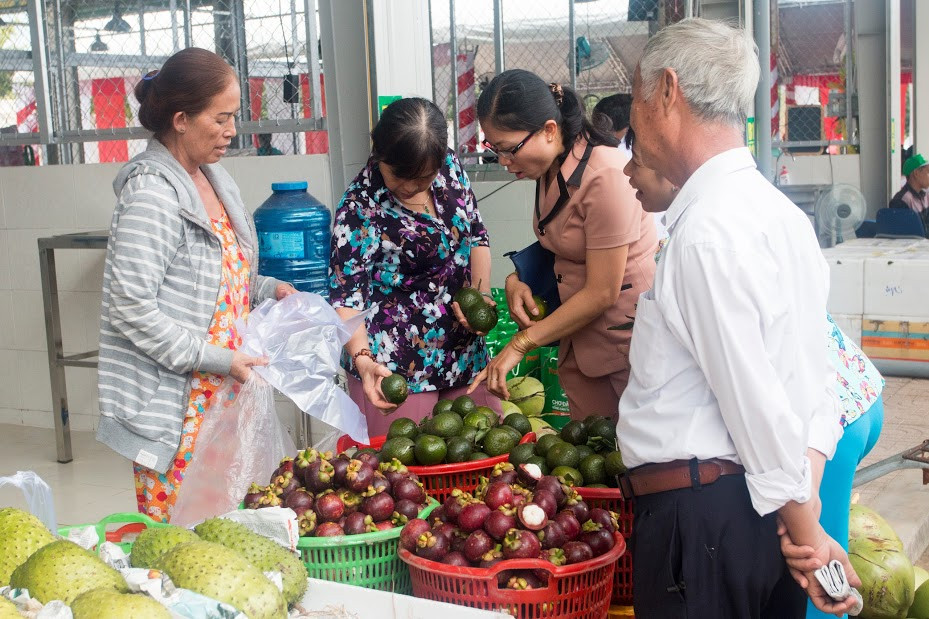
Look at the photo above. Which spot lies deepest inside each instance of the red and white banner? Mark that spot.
(467, 103)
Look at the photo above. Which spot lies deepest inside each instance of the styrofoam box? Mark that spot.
(846, 283)
(332, 600)
(850, 325)
(897, 284)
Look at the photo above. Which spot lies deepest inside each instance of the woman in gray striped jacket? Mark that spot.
(181, 268)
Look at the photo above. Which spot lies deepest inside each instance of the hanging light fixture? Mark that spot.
(117, 23)
(98, 45)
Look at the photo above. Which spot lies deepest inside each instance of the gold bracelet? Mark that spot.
(522, 342)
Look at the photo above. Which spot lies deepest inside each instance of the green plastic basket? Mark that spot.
(369, 560)
(122, 529)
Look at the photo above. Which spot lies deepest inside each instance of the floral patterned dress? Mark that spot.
(858, 383)
(156, 493)
(407, 266)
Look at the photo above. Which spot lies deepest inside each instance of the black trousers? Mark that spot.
(707, 553)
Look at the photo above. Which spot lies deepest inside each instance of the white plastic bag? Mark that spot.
(241, 440)
(38, 496)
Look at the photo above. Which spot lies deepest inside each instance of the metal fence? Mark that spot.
(592, 45)
(814, 100)
(68, 69)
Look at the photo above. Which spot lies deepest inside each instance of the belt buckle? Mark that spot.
(625, 487)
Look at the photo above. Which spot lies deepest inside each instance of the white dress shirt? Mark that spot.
(727, 356)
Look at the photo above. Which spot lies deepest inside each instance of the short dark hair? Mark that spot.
(186, 83)
(616, 108)
(519, 100)
(411, 137)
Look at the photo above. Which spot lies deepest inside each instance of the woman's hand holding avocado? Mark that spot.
(519, 298)
(372, 373)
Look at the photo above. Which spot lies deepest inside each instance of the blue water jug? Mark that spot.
(293, 238)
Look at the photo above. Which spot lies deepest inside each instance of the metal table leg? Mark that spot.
(56, 370)
(913, 458)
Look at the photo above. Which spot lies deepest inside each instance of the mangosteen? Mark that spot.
(359, 476)
(432, 547)
(408, 508)
(437, 516)
(552, 535)
(411, 532)
(532, 516)
(598, 538)
(577, 552)
(498, 523)
(492, 557)
(380, 506)
(286, 466)
(446, 530)
(476, 545)
(498, 493)
(369, 458)
(380, 482)
(529, 474)
(504, 472)
(580, 508)
(318, 475)
(409, 489)
(329, 507)
(555, 556)
(456, 559)
(521, 544)
(270, 499)
(284, 484)
(545, 500)
(455, 503)
(299, 500)
(604, 518)
(569, 523)
(339, 468)
(553, 485)
(252, 498)
(329, 529)
(351, 500)
(384, 525)
(472, 516)
(304, 458)
(358, 523)
(307, 523)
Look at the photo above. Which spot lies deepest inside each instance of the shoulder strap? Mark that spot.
(575, 180)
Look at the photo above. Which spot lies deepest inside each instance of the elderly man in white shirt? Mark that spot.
(729, 379)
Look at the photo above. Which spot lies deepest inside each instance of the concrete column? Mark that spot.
(762, 30)
(343, 31)
(873, 113)
(895, 119)
(920, 79)
(402, 48)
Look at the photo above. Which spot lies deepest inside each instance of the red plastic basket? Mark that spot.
(612, 499)
(440, 479)
(580, 591)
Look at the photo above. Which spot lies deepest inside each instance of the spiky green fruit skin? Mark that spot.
(108, 604)
(154, 542)
(21, 534)
(223, 574)
(8, 609)
(263, 553)
(62, 571)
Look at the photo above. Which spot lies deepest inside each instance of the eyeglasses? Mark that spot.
(509, 153)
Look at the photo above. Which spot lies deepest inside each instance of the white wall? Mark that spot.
(822, 170)
(49, 200)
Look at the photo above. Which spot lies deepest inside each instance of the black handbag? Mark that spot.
(535, 265)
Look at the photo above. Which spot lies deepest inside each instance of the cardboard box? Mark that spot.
(897, 346)
(332, 600)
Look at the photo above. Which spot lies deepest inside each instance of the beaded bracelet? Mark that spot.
(364, 352)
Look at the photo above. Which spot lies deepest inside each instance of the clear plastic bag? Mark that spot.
(38, 496)
(241, 440)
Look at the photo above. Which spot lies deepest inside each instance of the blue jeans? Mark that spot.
(835, 491)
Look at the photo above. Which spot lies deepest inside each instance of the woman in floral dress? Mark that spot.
(407, 236)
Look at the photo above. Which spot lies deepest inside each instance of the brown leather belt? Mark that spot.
(675, 475)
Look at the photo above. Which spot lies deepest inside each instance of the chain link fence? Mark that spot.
(593, 46)
(68, 69)
(813, 98)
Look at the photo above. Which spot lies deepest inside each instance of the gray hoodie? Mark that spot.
(160, 287)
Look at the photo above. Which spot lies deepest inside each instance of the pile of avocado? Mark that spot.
(584, 453)
(457, 431)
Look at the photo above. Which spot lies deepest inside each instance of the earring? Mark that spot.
(549, 139)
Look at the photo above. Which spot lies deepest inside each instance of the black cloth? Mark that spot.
(897, 202)
(707, 553)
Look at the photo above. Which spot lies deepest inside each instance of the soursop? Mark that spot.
(223, 574)
(62, 571)
(265, 554)
(21, 534)
(8, 609)
(108, 604)
(154, 542)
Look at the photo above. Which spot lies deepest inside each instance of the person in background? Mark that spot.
(914, 195)
(407, 236)
(857, 387)
(614, 109)
(181, 268)
(264, 146)
(728, 379)
(587, 216)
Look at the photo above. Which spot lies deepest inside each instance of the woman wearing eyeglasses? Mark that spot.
(586, 213)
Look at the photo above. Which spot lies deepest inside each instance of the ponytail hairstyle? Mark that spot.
(518, 100)
(186, 83)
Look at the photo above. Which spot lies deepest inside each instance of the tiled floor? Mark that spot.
(98, 482)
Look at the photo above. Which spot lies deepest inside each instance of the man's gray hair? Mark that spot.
(716, 64)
